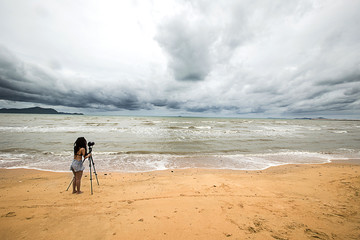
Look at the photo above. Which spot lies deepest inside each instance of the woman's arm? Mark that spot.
(83, 153)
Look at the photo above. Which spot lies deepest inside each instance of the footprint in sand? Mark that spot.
(9, 214)
(316, 234)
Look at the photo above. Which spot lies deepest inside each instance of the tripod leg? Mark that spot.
(90, 177)
(95, 171)
(70, 184)
(96, 178)
(72, 180)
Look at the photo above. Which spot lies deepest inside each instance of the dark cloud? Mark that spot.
(353, 78)
(188, 47)
(202, 109)
(24, 82)
(170, 104)
(200, 36)
(355, 91)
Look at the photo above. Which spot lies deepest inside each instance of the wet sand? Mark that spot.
(285, 202)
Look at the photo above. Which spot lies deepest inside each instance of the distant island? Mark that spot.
(309, 118)
(35, 110)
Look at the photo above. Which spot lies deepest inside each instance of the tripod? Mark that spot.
(91, 163)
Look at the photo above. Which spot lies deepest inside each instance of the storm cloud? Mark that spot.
(228, 58)
(21, 81)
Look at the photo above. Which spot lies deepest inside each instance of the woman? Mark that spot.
(77, 167)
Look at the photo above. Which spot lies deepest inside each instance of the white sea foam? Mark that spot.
(203, 127)
(340, 132)
(54, 129)
(110, 161)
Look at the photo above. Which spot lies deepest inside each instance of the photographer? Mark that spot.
(77, 167)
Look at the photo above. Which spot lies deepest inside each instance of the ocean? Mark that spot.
(141, 144)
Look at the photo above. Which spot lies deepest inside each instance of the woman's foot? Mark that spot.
(74, 192)
(80, 192)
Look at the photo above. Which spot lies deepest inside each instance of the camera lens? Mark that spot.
(91, 144)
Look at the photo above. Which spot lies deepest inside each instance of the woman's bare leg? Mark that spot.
(74, 182)
(78, 181)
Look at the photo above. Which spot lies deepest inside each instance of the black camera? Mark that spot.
(90, 144)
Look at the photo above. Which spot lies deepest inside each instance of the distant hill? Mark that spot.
(309, 118)
(35, 110)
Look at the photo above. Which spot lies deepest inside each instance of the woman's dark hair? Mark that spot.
(80, 143)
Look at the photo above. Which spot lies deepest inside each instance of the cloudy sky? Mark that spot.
(243, 58)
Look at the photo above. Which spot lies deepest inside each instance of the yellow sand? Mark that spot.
(286, 202)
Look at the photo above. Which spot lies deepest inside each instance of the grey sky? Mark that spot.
(206, 58)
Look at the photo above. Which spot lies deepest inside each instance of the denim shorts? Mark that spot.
(77, 166)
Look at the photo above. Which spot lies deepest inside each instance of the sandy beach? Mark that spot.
(284, 202)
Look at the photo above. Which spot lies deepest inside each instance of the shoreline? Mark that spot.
(355, 161)
(297, 201)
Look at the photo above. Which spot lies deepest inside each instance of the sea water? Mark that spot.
(139, 144)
